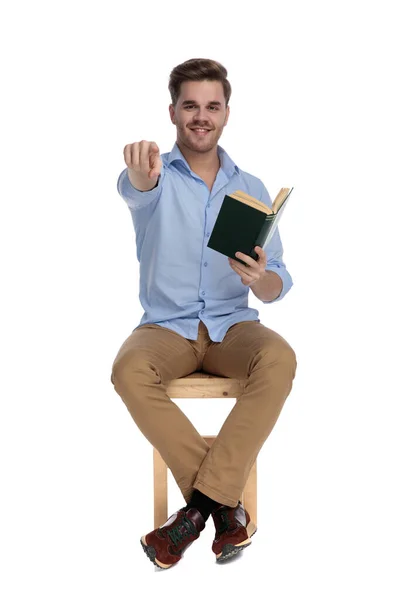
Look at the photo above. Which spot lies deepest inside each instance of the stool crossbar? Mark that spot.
(200, 385)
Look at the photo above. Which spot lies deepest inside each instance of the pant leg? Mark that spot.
(148, 358)
(253, 352)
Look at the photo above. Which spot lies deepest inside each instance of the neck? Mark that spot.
(203, 162)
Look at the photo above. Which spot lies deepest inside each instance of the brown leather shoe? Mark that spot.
(233, 530)
(165, 545)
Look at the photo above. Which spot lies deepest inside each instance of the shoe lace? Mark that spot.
(176, 535)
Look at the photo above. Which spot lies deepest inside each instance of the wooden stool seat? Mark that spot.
(200, 385)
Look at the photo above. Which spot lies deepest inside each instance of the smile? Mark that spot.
(200, 131)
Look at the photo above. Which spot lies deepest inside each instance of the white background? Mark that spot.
(315, 105)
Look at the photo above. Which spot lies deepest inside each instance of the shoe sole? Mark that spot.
(151, 553)
(230, 550)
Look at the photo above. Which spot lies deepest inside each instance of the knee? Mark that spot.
(284, 356)
(115, 374)
(290, 359)
(124, 368)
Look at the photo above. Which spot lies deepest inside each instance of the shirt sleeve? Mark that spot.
(134, 198)
(274, 252)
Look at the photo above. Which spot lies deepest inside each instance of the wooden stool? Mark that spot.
(200, 385)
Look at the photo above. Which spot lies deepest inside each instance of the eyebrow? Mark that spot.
(194, 102)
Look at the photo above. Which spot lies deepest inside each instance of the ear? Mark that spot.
(228, 110)
(172, 113)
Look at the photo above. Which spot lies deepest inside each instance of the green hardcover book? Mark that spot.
(244, 222)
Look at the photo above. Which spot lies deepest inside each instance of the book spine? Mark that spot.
(264, 236)
(269, 229)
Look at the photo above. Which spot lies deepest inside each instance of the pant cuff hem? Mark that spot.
(214, 494)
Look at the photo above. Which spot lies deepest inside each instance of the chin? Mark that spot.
(200, 148)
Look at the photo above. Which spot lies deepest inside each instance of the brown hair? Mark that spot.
(198, 69)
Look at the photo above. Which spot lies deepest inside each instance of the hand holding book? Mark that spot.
(253, 270)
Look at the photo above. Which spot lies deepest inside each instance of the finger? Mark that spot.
(144, 156)
(154, 149)
(135, 156)
(128, 155)
(155, 163)
(260, 251)
(239, 267)
(247, 259)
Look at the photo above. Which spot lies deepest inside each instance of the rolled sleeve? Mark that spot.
(286, 280)
(274, 252)
(134, 198)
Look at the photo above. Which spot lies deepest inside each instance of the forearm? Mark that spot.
(268, 287)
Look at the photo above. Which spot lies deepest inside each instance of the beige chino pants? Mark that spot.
(153, 354)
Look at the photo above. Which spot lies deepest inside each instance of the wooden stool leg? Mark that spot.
(160, 474)
(249, 495)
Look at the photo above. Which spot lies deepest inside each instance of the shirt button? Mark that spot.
(202, 293)
(205, 264)
(207, 234)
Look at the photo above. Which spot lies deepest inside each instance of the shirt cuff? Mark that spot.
(286, 280)
(135, 198)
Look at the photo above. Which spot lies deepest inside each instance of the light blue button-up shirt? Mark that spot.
(181, 279)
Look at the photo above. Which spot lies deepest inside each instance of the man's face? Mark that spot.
(200, 104)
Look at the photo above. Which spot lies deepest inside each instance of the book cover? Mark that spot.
(239, 227)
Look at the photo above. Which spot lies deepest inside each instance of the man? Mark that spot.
(197, 316)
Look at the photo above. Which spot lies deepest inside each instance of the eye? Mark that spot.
(214, 108)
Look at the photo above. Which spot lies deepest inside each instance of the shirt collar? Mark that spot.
(227, 164)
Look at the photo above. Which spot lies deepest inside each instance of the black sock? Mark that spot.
(203, 503)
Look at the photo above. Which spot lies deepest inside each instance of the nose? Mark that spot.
(201, 114)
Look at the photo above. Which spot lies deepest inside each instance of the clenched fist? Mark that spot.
(144, 164)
